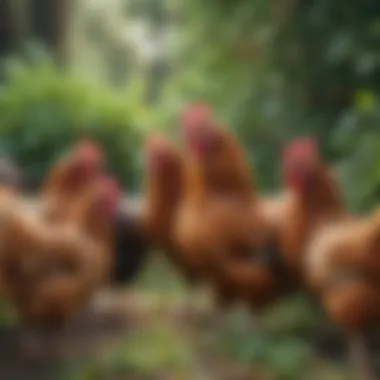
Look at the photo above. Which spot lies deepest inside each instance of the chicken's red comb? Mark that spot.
(196, 114)
(303, 146)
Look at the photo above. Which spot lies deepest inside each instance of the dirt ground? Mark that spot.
(127, 335)
(144, 333)
(111, 321)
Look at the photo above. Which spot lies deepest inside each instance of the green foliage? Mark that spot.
(43, 110)
(151, 350)
(274, 71)
(357, 131)
(279, 347)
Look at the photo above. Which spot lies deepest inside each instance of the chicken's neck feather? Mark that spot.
(323, 196)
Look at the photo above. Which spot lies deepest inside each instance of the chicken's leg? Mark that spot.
(360, 358)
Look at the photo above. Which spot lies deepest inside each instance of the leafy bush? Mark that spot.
(357, 132)
(43, 110)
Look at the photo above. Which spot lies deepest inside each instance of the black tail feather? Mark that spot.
(130, 248)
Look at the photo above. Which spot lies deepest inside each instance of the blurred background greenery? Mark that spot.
(117, 69)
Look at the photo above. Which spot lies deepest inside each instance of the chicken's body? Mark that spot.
(49, 270)
(53, 259)
(221, 226)
(342, 268)
(254, 266)
(66, 189)
(316, 201)
(329, 250)
(163, 189)
(345, 253)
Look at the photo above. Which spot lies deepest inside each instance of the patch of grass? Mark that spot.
(283, 348)
(327, 371)
(159, 349)
(155, 349)
(81, 371)
(159, 276)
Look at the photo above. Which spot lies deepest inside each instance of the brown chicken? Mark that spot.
(94, 213)
(249, 245)
(163, 189)
(163, 195)
(219, 226)
(335, 252)
(343, 268)
(315, 200)
(66, 182)
(51, 270)
(310, 199)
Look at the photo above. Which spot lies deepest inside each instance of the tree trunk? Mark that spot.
(6, 30)
(50, 21)
(7, 42)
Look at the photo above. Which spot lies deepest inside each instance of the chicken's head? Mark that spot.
(216, 152)
(198, 128)
(300, 163)
(79, 167)
(88, 158)
(106, 197)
